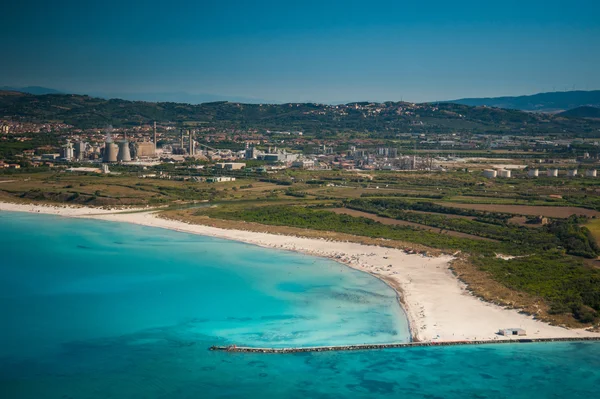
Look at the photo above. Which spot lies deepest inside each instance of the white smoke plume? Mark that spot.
(108, 130)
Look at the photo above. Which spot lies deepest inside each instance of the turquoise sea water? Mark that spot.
(93, 309)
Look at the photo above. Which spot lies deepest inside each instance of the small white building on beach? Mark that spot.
(507, 332)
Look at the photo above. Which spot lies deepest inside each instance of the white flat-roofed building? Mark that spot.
(219, 179)
(84, 170)
(507, 332)
(303, 163)
(231, 165)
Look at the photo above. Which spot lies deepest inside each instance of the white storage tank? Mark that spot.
(590, 173)
(552, 172)
(504, 173)
(489, 173)
(533, 173)
(572, 172)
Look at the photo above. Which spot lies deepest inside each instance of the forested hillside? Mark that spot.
(380, 120)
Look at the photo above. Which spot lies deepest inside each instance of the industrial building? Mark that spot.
(145, 149)
(67, 151)
(387, 152)
(230, 165)
(303, 163)
(279, 157)
(251, 153)
(80, 148)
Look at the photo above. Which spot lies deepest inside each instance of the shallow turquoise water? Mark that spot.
(93, 309)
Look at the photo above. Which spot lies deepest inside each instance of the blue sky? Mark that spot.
(284, 51)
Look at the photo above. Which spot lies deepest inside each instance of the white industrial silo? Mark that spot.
(590, 173)
(572, 172)
(504, 173)
(489, 173)
(533, 173)
(552, 172)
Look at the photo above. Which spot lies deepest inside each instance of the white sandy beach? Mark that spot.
(438, 306)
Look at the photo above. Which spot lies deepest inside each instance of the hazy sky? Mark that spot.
(325, 51)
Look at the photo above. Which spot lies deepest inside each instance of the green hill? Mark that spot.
(582, 112)
(373, 119)
(542, 102)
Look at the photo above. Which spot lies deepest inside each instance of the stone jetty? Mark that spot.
(235, 348)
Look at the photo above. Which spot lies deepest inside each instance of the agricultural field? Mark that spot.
(594, 227)
(124, 190)
(548, 211)
(395, 222)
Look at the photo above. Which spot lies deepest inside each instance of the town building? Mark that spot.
(219, 179)
(230, 165)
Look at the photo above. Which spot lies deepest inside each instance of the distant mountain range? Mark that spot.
(542, 102)
(553, 102)
(177, 97)
(582, 112)
(174, 97)
(37, 90)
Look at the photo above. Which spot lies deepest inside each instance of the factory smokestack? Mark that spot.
(191, 151)
(155, 146)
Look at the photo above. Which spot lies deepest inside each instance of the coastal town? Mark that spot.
(212, 152)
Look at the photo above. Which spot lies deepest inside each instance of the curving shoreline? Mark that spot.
(437, 305)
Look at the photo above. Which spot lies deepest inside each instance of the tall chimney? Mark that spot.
(191, 151)
(155, 136)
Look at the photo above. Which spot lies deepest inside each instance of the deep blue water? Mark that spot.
(93, 309)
